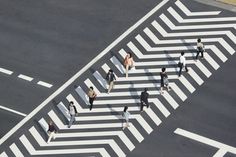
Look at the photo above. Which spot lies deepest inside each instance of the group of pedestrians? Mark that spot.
(111, 78)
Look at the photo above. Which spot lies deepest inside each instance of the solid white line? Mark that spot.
(73, 78)
(187, 84)
(160, 106)
(189, 13)
(16, 150)
(3, 154)
(220, 153)
(32, 150)
(5, 71)
(13, 111)
(43, 124)
(24, 77)
(178, 91)
(195, 76)
(205, 140)
(45, 84)
(170, 100)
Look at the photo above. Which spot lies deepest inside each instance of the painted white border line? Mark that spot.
(45, 84)
(85, 68)
(13, 111)
(24, 77)
(207, 141)
(5, 71)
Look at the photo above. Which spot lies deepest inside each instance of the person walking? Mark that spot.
(128, 63)
(110, 80)
(51, 131)
(164, 80)
(126, 116)
(182, 63)
(92, 96)
(144, 99)
(200, 48)
(73, 112)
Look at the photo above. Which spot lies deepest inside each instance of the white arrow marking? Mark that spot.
(32, 150)
(189, 13)
(110, 142)
(16, 150)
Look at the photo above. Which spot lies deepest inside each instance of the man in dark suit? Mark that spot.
(144, 99)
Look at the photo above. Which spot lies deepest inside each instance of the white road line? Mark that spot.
(178, 91)
(220, 153)
(195, 76)
(32, 150)
(43, 143)
(13, 111)
(170, 100)
(205, 140)
(5, 71)
(89, 84)
(3, 154)
(43, 124)
(24, 77)
(160, 106)
(16, 150)
(73, 78)
(187, 84)
(181, 20)
(45, 84)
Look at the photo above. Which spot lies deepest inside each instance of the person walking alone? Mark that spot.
(144, 99)
(164, 80)
(51, 131)
(126, 116)
(92, 96)
(182, 63)
(73, 112)
(128, 63)
(110, 80)
(200, 48)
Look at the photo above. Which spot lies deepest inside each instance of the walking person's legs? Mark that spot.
(72, 119)
(111, 84)
(141, 106)
(197, 54)
(91, 103)
(50, 136)
(126, 70)
(186, 68)
(202, 54)
(180, 70)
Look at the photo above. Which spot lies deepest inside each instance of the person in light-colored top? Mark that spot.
(164, 80)
(200, 48)
(72, 112)
(182, 64)
(110, 80)
(128, 63)
(126, 116)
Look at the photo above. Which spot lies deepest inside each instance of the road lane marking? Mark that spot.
(16, 150)
(5, 71)
(45, 84)
(24, 77)
(13, 111)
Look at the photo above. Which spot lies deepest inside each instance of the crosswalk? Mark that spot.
(99, 132)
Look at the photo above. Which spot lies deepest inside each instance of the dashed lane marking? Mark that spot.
(13, 111)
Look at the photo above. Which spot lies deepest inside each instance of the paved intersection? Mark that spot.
(156, 43)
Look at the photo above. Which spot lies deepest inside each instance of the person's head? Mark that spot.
(111, 71)
(163, 69)
(71, 103)
(129, 54)
(125, 108)
(91, 88)
(145, 89)
(182, 53)
(198, 40)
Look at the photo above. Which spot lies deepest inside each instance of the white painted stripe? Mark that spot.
(16, 150)
(217, 52)
(170, 100)
(195, 20)
(13, 111)
(220, 153)
(141, 78)
(155, 63)
(221, 41)
(195, 76)
(73, 78)
(71, 98)
(106, 68)
(211, 61)
(117, 64)
(205, 140)
(189, 13)
(89, 84)
(32, 150)
(203, 68)
(5, 71)
(160, 106)
(187, 84)
(100, 79)
(82, 94)
(64, 110)
(120, 134)
(153, 116)
(44, 124)
(24, 77)
(110, 142)
(3, 154)
(45, 84)
(178, 91)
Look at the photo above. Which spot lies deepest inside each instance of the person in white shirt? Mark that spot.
(126, 116)
(200, 48)
(73, 112)
(182, 63)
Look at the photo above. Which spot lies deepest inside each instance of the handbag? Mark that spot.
(180, 64)
(166, 81)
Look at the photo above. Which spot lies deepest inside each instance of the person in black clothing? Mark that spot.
(144, 99)
(164, 80)
(110, 80)
(51, 131)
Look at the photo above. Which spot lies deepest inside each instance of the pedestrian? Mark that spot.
(92, 96)
(164, 80)
(110, 80)
(144, 99)
(200, 48)
(182, 63)
(73, 112)
(126, 116)
(128, 63)
(51, 131)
